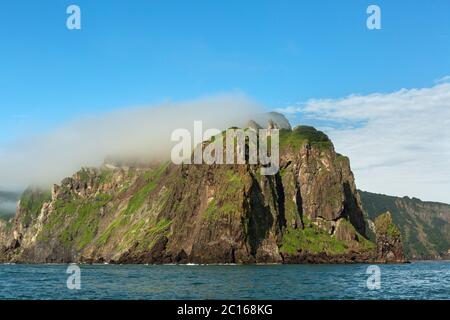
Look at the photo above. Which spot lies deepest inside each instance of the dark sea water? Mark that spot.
(418, 280)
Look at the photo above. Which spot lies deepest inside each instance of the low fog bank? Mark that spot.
(7, 209)
(8, 203)
(141, 133)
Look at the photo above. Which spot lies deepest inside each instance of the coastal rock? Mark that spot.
(309, 211)
(388, 239)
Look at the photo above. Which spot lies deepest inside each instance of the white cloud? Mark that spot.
(400, 144)
(445, 79)
(139, 132)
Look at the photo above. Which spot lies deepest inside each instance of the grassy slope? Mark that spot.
(304, 134)
(78, 222)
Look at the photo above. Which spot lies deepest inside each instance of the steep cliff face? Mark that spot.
(309, 211)
(424, 226)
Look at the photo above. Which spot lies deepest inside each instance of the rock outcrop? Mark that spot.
(388, 239)
(309, 212)
(424, 226)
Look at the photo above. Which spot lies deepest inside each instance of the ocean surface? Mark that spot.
(418, 280)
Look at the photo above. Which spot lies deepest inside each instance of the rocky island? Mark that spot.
(309, 212)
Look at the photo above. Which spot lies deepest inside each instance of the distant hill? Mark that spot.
(425, 226)
(8, 202)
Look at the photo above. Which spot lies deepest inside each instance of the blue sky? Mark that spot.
(132, 53)
(374, 92)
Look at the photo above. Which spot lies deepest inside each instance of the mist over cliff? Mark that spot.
(8, 203)
(141, 132)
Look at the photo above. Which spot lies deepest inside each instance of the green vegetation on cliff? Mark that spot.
(31, 203)
(226, 199)
(84, 224)
(304, 134)
(75, 221)
(311, 240)
(385, 225)
(424, 226)
(78, 221)
(148, 184)
(314, 239)
(154, 233)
